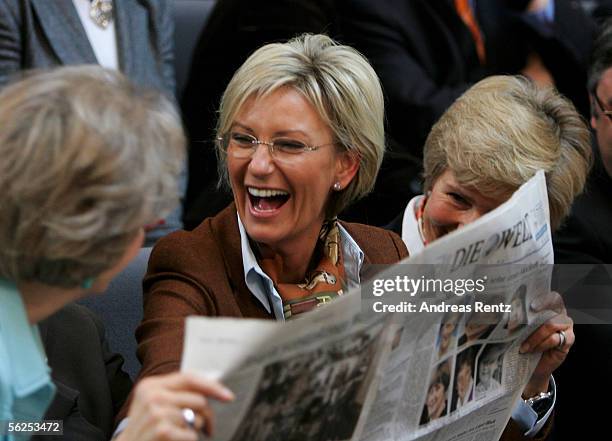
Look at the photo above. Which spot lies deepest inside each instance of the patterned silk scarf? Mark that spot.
(325, 280)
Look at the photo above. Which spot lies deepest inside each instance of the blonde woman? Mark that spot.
(486, 145)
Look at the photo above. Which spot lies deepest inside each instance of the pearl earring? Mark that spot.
(337, 186)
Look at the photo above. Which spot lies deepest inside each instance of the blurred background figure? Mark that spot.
(73, 215)
(463, 391)
(587, 235)
(133, 36)
(587, 239)
(428, 53)
(300, 136)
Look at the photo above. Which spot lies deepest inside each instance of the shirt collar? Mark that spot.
(254, 277)
(22, 343)
(353, 258)
(262, 287)
(411, 235)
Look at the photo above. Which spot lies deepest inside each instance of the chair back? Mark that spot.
(190, 17)
(120, 309)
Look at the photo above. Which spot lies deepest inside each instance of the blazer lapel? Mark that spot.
(229, 238)
(64, 30)
(225, 227)
(131, 17)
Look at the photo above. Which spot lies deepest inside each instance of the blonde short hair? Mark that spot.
(501, 131)
(339, 83)
(87, 160)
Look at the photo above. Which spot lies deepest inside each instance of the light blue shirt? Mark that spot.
(547, 14)
(262, 287)
(527, 418)
(26, 389)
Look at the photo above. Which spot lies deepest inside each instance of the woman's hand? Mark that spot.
(546, 339)
(156, 413)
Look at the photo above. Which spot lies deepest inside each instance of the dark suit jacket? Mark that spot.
(425, 57)
(234, 30)
(201, 273)
(586, 238)
(91, 387)
(43, 33)
(38, 34)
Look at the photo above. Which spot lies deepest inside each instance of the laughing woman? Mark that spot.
(300, 136)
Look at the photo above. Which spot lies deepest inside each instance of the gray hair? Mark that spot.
(87, 160)
(339, 83)
(504, 129)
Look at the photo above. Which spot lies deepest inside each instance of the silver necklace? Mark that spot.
(101, 12)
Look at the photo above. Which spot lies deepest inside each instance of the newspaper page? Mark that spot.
(373, 367)
(454, 371)
(311, 377)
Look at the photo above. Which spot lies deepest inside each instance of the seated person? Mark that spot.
(429, 53)
(586, 238)
(488, 143)
(300, 136)
(87, 160)
(279, 251)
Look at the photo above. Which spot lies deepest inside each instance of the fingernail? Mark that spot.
(536, 304)
(524, 348)
(228, 394)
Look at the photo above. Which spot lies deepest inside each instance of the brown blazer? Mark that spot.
(200, 272)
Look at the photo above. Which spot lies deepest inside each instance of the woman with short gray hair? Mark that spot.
(88, 159)
(504, 129)
(493, 139)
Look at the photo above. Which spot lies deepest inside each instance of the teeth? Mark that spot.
(265, 193)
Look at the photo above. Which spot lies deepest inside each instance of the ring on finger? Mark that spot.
(562, 340)
(189, 417)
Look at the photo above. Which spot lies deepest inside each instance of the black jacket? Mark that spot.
(425, 57)
(91, 387)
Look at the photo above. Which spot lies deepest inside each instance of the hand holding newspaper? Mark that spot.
(372, 366)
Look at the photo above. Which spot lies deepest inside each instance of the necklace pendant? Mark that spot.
(101, 12)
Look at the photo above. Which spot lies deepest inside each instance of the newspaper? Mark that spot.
(312, 377)
(475, 353)
(371, 367)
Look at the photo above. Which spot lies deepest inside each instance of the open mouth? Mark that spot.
(267, 200)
